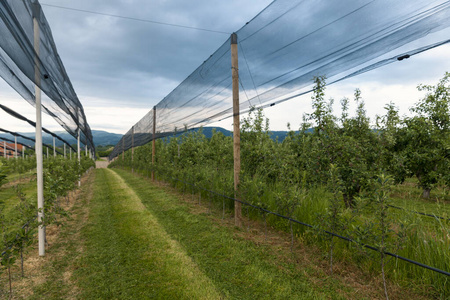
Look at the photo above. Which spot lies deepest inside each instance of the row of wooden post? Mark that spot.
(236, 132)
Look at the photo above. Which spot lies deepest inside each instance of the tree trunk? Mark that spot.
(21, 260)
(348, 201)
(10, 282)
(426, 193)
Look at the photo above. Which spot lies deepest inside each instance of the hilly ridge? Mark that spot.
(104, 138)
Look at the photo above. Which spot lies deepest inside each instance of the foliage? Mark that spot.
(18, 230)
(334, 219)
(327, 174)
(428, 133)
(377, 228)
(104, 153)
(2, 174)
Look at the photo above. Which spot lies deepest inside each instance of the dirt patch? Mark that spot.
(102, 164)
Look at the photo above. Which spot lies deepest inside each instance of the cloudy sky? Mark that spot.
(121, 68)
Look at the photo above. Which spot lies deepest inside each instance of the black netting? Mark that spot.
(19, 62)
(20, 117)
(16, 134)
(286, 45)
(18, 143)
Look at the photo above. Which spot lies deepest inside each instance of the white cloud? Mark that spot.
(113, 119)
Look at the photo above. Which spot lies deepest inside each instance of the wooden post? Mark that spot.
(38, 140)
(154, 143)
(132, 149)
(54, 147)
(236, 129)
(123, 147)
(4, 149)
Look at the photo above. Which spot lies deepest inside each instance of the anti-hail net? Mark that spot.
(20, 117)
(22, 68)
(285, 46)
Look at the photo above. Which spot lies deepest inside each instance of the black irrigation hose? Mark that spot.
(310, 226)
(420, 213)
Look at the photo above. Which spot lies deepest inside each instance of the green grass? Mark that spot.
(239, 268)
(129, 255)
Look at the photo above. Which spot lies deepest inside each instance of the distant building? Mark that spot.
(10, 148)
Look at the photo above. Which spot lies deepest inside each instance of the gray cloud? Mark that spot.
(136, 64)
(122, 59)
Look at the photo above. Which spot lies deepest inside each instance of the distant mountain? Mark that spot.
(104, 138)
(208, 131)
(101, 138)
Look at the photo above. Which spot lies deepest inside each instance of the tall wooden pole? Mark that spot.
(54, 147)
(123, 148)
(236, 129)
(38, 140)
(132, 149)
(154, 143)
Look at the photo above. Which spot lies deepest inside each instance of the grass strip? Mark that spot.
(239, 268)
(128, 255)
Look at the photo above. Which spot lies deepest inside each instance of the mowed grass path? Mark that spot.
(129, 255)
(141, 242)
(238, 268)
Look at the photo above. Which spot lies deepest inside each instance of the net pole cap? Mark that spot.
(234, 38)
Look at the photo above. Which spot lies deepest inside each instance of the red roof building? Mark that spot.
(10, 148)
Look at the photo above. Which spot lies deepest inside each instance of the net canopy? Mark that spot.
(285, 46)
(20, 117)
(16, 135)
(22, 67)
